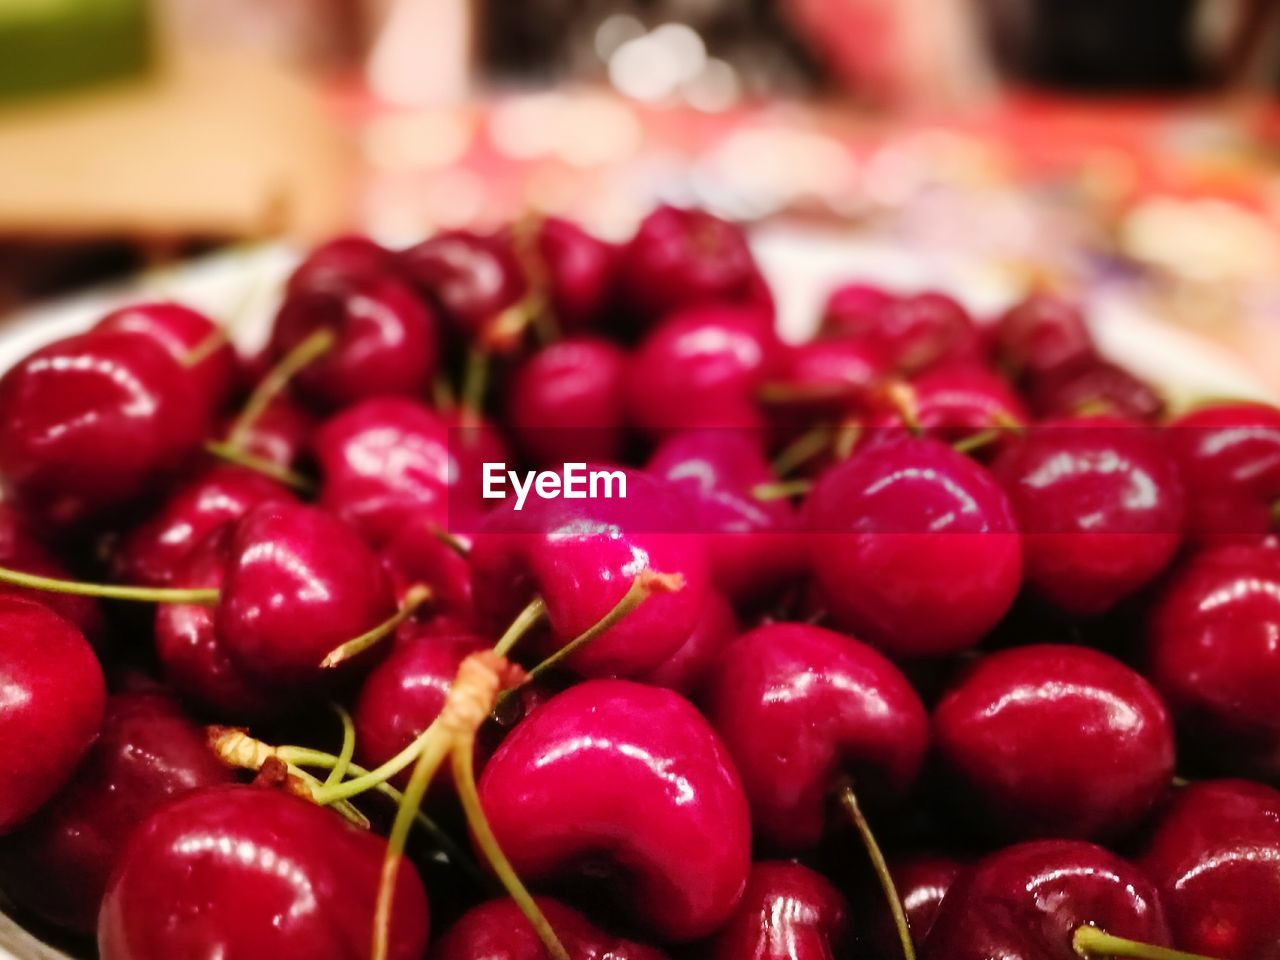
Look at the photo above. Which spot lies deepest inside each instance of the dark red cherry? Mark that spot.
(801, 709)
(1101, 508)
(1025, 903)
(344, 257)
(914, 547)
(280, 435)
(92, 422)
(565, 402)
(1229, 455)
(473, 277)
(181, 331)
(497, 930)
(950, 404)
(787, 912)
(1041, 334)
(248, 873)
(1212, 652)
(625, 786)
(299, 584)
(151, 552)
(385, 339)
(686, 669)
(853, 310)
(925, 329)
(824, 378)
(51, 697)
(922, 881)
(20, 550)
(579, 272)
(1215, 857)
(1052, 740)
(1091, 386)
(681, 258)
(421, 554)
(700, 367)
(147, 753)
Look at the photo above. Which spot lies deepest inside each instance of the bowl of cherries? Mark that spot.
(927, 636)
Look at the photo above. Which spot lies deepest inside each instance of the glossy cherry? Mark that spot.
(385, 339)
(280, 435)
(787, 912)
(1052, 740)
(1212, 652)
(1229, 455)
(924, 329)
(1101, 507)
(343, 257)
(152, 551)
(69, 410)
(951, 404)
(922, 881)
(51, 706)
(914, 547)
(1092, 385)
(496, 930)
(422, 554)
(147, 753)
(472, 277)
(1214, 855)
(299, 583)
(20, 550)
(802, 709)
(579, 271)
(686, 669)
(1041, 334)
(565, 403)
(830, 377)
(627, 785)
(853, 310)
(248, 873)
(1025, 903)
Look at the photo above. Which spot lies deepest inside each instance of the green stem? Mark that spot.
(803, 449)
(370, 779)
(339, 771)
(525, 620)
(849, 800)
(976, 441)
(1093, 944)
(782, 490)
(315, 345)
(414, 597)
(453, 542)
(475, 380)
(110, 591)
(242, 458)
(203, 350)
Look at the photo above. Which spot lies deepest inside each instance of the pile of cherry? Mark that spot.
(923, 636)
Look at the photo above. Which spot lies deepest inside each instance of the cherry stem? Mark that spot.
(847, 435)
(442, 393)
(475, 380)
(976, 441)
(452, 541)
(1275, 514)
(533, 613)
(509, 326)
(414, 597)
(902, 398)
(1094, 944)
(782, 392)
(111, 591)
(305, 352)
(203, 350)
(849, 800)
(370, 779)
(803, 449)
(348, 750)
(782, 490)
(242, 458)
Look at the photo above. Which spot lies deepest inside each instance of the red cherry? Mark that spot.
(472, 277)
(824, 379)
(628, 785)
(51, 707)
(565, 402)
(1092, 385)
(922, 881)
(147, 753)
(1101, 508)
(496, 930)
(280, 435)
(1215, 857)
(914, 547)
(342, 258)
(92, 422)
(20, 550)
(686, 669)
(787, 912)
(854, 310)
(1111, 753)
(246, 873)
(1041, 334)
(926, 329)
(950, 404)
(800, 709)
(580, 272)
(1213, 653)
(421, 554)
(1026, 902)
(385, 339)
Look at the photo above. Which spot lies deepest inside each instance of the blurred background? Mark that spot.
(1089, 144)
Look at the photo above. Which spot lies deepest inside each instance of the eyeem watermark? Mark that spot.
(574, 482)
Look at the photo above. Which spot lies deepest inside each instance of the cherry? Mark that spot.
(246, 873)
(580, 557)
(421, 553)
(342, 258)
(1101, 508)
(686, 669)
(801, 709)
(190, 338)
(1093, 385)
(147, 752)
(925, 329)
(854, 310)
(496, 930)
(382, 339)
(824, 378)
(94, 421)
(1215, 856)
(1212, 651)
(1027, 902)
(914, 547)
(299, 583)
(51, 706)
(922, 881)
(1112, 743)
(681, 258)
(565, 402)
(1041, 334)
(150, 553)
(472, 277)
(1229, 455)
(628, 785)
(20, 550)
(787, 912)
(755, 546)
(700, 367)
(579, 272)
(950, 404)
(279, 435)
